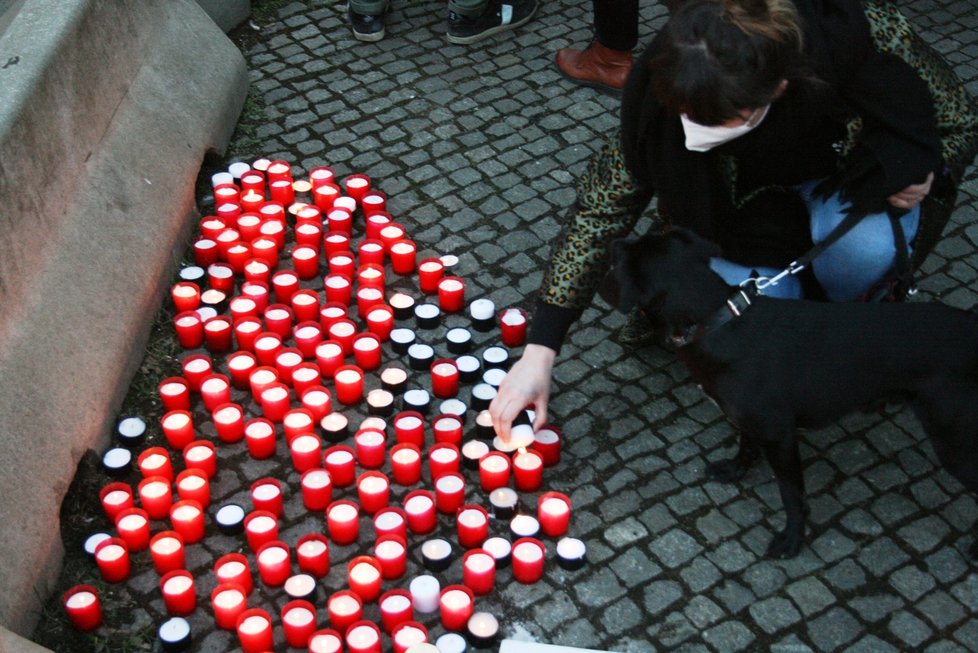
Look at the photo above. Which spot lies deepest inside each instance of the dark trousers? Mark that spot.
(616, 23)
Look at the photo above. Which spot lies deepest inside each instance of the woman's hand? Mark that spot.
(912, 195)
(528, 382)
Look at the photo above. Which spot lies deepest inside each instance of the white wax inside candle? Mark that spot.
(449, 484)
(343, 605)
(554, 507)
(480, 562)
(155, 460)
(306, 332)
(166, 545)
(447, 424)
(346, 202)
(205, 243)
(409, 635)
(427, 311)
(304, 253)
(340, 259)
(467, 363)
(262, 524)
(131, 523)
(337, 281)
(229, 598)
(527, 552)
(436, 549)
(185, 513)
(316, 479)
(418, 504)
(273, 556)
(231, 569)
(197, 365)
(443, 455)
(483, 625)
(430, 266)
(391, 231)
(450, 285)
(378, 315)
(253, 625)
(116, 497)
(409, 422)
(304, 300)
(444, 369)
(324, 643)
(366, 344)
(497, 547)
(388, 520)
(297, 420)
(259, 430)
(417, 397)
(225, 415)
(389, 550)
(471, 518)
(315, 398)
(339, 457)
(267, 342)
(220, 271)
(373, 485)
(274, 393)
(455, 599)
(248, 327)
(312, 548)
(305, 443)
(188, 320)
(571, 548)
(216, 326)
(362, 637)
(370, 438)
(482, 309)
(402, 248)
(266, 492)
(364, 573)
(198, 454)
(298, 616)
(528, 461)
(170, 389)
(192, 483)
(289, 358)
(329, 350)
(395, 603)
(546, 436)
(177, 585)
(400, 300)
(513, 317)
(154, 490)
(342, 329)
(494, 464)
(110, 553)
(371, 273)
(343, 512)
(80, 600)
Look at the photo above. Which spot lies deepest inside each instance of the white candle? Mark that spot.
(176, 421)
(408, 423)
(482, 309)
(348, 376)
(289, 358)
(197, 454)
(316, 479)
(362, 637)
(166, 545)
(424, 593)
(373, 484)
(305, 443)
(404, 456)
(343, 512)
(554, 506)
(395, 603)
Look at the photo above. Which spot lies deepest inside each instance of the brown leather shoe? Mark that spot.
(595, 66)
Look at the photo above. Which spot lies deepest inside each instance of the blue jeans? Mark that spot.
(850, 266)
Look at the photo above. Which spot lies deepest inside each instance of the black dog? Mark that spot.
(776, 365)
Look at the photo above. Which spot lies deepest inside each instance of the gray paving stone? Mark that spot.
(729, 636)
(908, 628)
(774, 614)
(833, 630)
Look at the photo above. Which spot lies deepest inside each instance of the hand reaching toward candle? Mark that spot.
(528, 382)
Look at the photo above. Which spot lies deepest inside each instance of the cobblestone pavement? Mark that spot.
(476, 148)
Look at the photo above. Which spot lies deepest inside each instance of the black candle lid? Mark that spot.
(483, 425)
(472, 451)
(468, 368)
(216, 299)
(131, 431)
(174, 634)
(421, 356)
(459, 340)
(380, 403)
(336, 426)
(482, 396)
(301, 586)
(393, 379)
(401, 339)
(496, 357)
(494, 376)
(499, 548)
(483, 630)
(427, 316)
(230, 518)
(504, 502)
(402, 304)
(418, 400)
(571, 553)
(437, 554)
(116, 461)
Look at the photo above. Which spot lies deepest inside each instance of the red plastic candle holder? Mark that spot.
(409, 428)
(167, 551)
(345, 608)
(305, 306)
(246, 332)
(371, 447)
(494, 470)
(373, 491)
(390, 551)
(390, 521)
(420, 511)
(343, 332)
(366, 351)
(267, 345)
(430, 272)
(194, 485)
(451, 294)
(340, 461)
(306, 450)
(189, 329)
(528, 558)
(403, 254)
(187, 518)
(155, 461)
(278, 318)
(449, 493)
(444, 378)
(177, 588)
(83, 607)
(348, 382)
(174, 393)
(478, 571)
(185, 296)
(547, 442)
(363, 637)
(274, 563)
(298, 622)
(155, 496)
(233, 568)
(202, 455)
(443, 458)
(116, 497)
(228, 601)
(298, 421)
(275, 402)
(364, 575)
(240, 364)
(312, 553)
(132, 525)
(285, 283)
(406, 636)
(215, 389)
(553, 513)
(456, 604)
(266, 495)
(260, 438)
(260, 378)
(112, 558)
(406, 463)
(527, 470)
(447, 428)
(343, 521)
(472, 526)
(326, 640)
(373, 201)
(395, 608)
(261, 527)
(229, 422)
(254, 628)
(178, 428)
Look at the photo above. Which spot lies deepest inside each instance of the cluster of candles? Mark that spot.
(244, 243)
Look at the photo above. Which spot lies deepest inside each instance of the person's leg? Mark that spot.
(367, 19)
(606, 61)
(788, 287)
(473, 20)
(863, 256)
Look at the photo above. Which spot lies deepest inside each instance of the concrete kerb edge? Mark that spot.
(115, 245)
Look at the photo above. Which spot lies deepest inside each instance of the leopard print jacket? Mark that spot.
(609, 203)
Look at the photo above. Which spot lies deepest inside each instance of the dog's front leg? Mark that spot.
(785, 460)
(734, 469)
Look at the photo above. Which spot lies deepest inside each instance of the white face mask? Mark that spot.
(701, 138)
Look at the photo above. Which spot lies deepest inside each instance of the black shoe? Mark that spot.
(499, 16)
(367, 28)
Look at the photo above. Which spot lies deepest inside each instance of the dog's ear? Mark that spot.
(700, 247)
(617, 289)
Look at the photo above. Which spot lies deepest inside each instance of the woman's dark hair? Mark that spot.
(719, 57)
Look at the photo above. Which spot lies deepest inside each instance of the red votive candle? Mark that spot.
(287, 361)
(444, 378)
(253, 180)
(324, 195)
(305, 306)
(317, 488)
(456, 604)
(215, 389)
(233, 568)
(348, 381)
(472, 526)
(337, 241)
(278, 319)
(366, 351)
(512, 327)
(546, 442)
(298, 421)
(380, 321)
(312, 552)
(156, 496)
(371, 447)
(447, 429)
(275, 401)
(317, 400)
(246, 332)
(390, 552)
(167, 551)
(449, 493)
(370, 251)
(363, 637)
(367, 298)
(177, 588)
(451, 294)
(307, 336)
(246, 306)
(390, 521)
(260, 438)
(189, 328)
(155, 461)
(357, 185)
(409, 428)
(194, 485)
(370, 275)
(343, 332)
(494, 470)
(528, 470)
(228, 601)
(258, 270)
(528, 554)
(187, 518)
(267, 345)
(82, 605)
(343, 522)
(443, 458)
(218, 332)
(329, 357)
(340, 462)
(178, 428)
(553, 512)
(364, 577)
(116, 497)
(254, 628)
(266, 495)
(373, 201)
(174, 393)
(260, 378)
(345, 608)
(132, 525)
(282, 192)
(478, 571)
(321, 175)
(298, 622)
(265, 249)
(185, 295)
(220, 276)
(261, 527)
(274, 563)
(408, 635)
(430, 272)
(306, 450)
(201, 455)
(285, 283)
(395, 608)
(338, 288)
(419, 509)
(373, 491)
(342, 263)
(205, 252)
(339, 221)
(112, 558)
(391, 233)
(403, 254)
(406, 463)
(229, 422)
(305, 260)
(326, 640)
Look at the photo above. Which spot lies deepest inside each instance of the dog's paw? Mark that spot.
(786, 544)
(726, 471)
